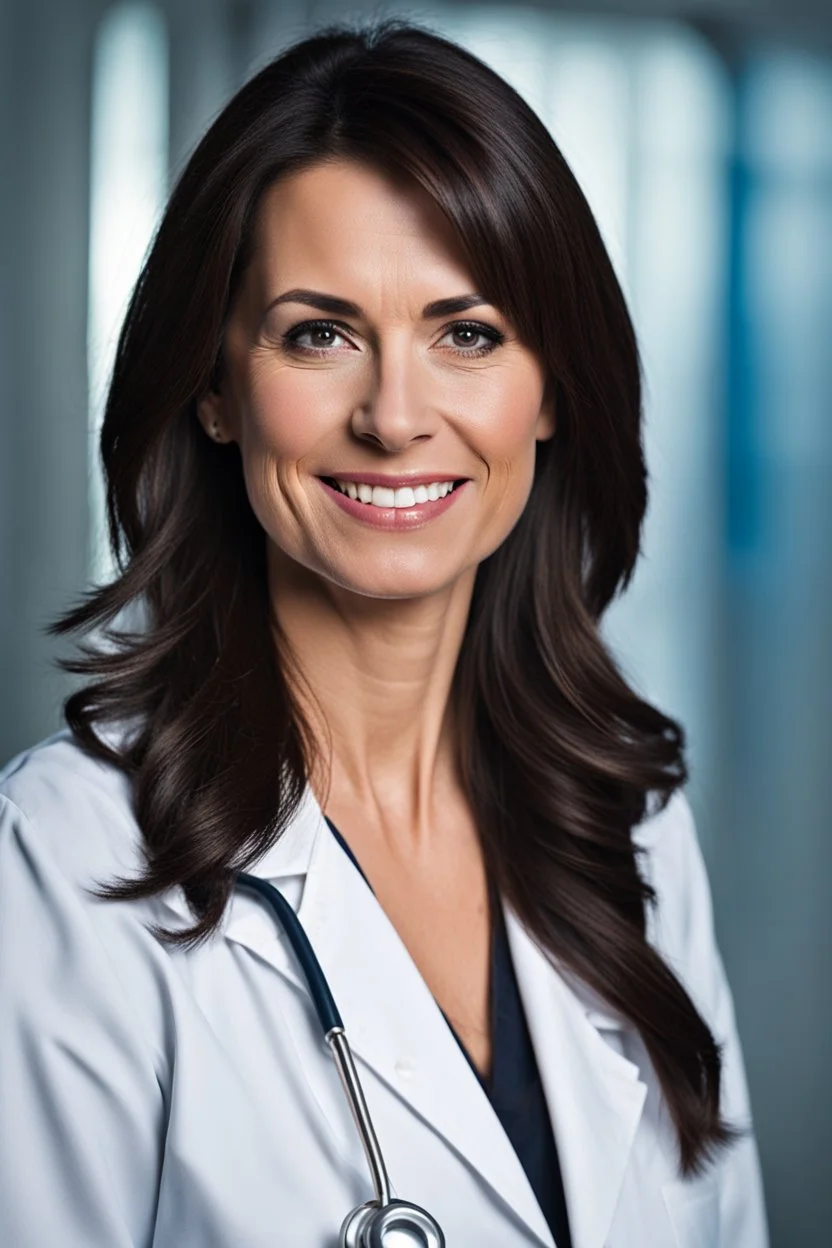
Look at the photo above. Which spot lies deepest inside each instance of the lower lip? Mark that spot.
(394, 517)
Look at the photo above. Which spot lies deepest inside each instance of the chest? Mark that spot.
(261, 1137)
(273, 1145)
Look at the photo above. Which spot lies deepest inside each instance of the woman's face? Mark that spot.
(340, 376)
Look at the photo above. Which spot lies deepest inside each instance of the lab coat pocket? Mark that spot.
(693, 1208)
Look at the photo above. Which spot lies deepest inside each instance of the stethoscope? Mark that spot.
(384, 1222)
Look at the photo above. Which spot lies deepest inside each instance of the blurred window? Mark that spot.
(128, 185)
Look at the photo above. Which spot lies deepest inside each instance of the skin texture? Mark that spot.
(375, 618)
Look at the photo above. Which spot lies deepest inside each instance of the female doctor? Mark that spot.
(359, 902)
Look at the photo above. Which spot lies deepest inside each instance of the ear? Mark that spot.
(211, 413)
(546, 420)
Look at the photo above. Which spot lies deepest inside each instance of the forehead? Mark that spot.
(350, 223)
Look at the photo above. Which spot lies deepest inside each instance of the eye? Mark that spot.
(323, 331)
(473, 329)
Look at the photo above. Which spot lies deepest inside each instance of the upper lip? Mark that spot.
(394, 482)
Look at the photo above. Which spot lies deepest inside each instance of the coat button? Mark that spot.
(404, 1068)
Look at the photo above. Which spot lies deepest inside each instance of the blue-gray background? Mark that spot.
(701, 133)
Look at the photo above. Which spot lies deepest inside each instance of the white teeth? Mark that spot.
(404, 496)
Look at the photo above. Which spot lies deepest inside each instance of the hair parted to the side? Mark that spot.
(559, 755)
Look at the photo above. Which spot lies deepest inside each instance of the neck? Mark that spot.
(373, 678)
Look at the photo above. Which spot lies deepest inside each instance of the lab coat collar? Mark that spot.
(394, 1024)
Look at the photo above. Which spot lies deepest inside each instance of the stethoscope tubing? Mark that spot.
(365, 1227)
(322, 997)
(342, 1053)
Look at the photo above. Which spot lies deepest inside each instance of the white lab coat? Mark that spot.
(188, 1100)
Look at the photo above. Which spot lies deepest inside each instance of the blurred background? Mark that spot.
(701, 133)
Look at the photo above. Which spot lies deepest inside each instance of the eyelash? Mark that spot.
(495, 337)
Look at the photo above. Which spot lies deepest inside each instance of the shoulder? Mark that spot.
(680, 923)
(66, 828)
(71, 808)
(670, 858)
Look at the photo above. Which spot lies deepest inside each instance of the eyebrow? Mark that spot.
(344, 307)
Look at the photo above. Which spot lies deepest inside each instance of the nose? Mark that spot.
(396, 410)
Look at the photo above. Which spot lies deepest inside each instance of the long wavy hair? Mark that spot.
(559, 756)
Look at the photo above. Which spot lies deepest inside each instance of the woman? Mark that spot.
(374, 472)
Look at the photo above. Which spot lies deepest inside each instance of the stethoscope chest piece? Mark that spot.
(397, 1224)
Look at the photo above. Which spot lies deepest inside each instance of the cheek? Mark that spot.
(508, 441)
(282, 416)
(285, 415)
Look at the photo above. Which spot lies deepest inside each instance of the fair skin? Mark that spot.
(374, 616)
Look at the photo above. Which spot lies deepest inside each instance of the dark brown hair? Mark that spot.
(558, 754)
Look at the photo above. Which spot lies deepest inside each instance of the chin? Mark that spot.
(395, 583)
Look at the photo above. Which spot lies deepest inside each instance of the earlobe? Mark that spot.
(210, 413)
(545, 426)
(546, 420)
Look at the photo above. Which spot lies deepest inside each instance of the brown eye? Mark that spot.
(320, 333)
(472, 330)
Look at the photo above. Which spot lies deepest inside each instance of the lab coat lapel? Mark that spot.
(391, 1018)
(594, 1094)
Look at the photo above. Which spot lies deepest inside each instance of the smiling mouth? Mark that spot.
(401, 496)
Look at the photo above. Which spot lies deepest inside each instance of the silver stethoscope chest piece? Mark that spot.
(385, 1222)
(395, 1225)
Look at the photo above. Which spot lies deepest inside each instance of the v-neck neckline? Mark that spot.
(498, 939)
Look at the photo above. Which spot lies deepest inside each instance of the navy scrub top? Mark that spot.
(514, 1088)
